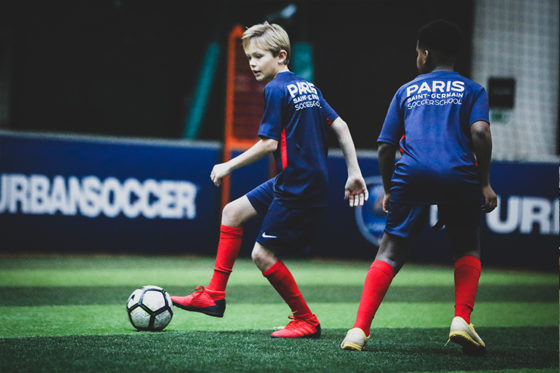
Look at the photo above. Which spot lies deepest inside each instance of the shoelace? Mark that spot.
(294, 322)
(199, 291)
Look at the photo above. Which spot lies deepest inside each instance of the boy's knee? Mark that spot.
(464, 243)
(396, 262)
(255, 255)
(259, 255)
(263, 258)
(231, 215)
(466, 252)
(393, 250)
(237, 212)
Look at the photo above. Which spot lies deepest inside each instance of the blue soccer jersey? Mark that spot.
(430, 118)
(297, 116)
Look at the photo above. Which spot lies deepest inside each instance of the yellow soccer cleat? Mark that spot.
(464, 335)
(355, 340)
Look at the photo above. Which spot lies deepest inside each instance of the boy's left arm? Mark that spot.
(355, 190)
(482, 143)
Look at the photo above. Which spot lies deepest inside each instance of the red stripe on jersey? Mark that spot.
(329, 121)
(402, 138)
(283, 150)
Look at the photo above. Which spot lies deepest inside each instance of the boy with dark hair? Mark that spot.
(440, 121)
(293, 127)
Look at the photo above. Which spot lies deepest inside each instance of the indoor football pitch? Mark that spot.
(67, 314)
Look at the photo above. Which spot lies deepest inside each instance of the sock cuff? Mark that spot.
(469, 260)
(216, 292)
(222, 269)
(233, 232)
(275, 267)
(383, 267)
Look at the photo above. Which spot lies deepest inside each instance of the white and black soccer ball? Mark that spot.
(149, 308)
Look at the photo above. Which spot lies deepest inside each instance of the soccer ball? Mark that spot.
(149, 308)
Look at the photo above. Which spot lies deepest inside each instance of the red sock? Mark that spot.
(467, 273)
(283, 281)
(377, 282)
(228, 250)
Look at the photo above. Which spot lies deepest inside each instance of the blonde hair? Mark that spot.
(267, 36)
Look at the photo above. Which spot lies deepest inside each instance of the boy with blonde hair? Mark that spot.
(293, 128)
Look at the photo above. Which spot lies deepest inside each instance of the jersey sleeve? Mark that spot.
(393, 127)
(479, 109)
(328, 111)
(271, 123)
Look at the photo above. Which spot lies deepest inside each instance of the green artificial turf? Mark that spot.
(393, 350)
(62, 313)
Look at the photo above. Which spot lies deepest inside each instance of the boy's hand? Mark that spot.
(490, 199)
(356, 191)
(385, 202)
(218, 172)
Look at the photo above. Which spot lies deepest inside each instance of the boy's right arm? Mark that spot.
(386, 159)
(253, 154)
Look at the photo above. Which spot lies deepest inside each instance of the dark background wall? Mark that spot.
(129, 68)
(90, 209)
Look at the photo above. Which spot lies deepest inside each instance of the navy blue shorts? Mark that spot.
(262, 196)
(406, 220)
(284, 227)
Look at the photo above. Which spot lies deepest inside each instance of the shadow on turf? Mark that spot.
(507, 348)
(260, 294)
(389, 350)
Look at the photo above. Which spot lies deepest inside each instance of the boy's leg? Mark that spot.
(389, 260)
(462, 230)
(467, 274)
(231, 234)
(403, 223)
(211, 300)
(305, 324)
(462, 332)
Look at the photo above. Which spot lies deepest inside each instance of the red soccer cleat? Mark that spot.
(209, 302)
(300, 328)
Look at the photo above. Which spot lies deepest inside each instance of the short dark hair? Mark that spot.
(443, 38)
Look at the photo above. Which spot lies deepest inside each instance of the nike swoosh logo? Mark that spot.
(268, 235)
